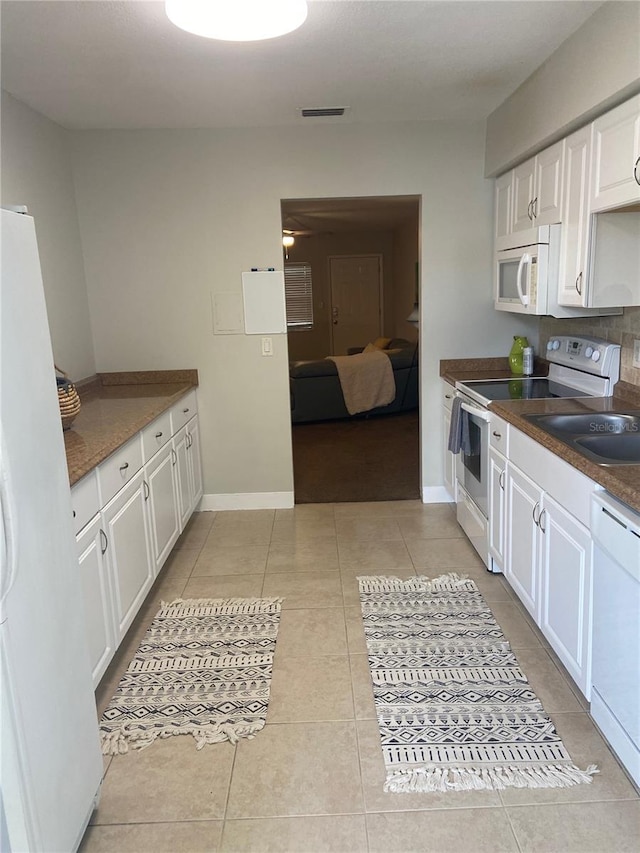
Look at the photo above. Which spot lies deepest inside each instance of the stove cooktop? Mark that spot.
(520, 388)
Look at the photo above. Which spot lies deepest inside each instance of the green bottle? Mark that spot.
(515, 356)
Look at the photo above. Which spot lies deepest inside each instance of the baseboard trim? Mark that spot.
(435, 495)
(247, 500)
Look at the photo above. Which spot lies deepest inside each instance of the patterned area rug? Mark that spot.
(454, 709)
(203, 668)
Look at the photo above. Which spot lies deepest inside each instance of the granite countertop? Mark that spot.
(622, 481)
(116, 406)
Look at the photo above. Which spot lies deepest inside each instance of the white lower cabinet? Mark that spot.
(497, 504)
(522, 560)
(128, 550)
(565, 599)
(164, 518)
(126, 542)
(449, 459)
(548, 550)
(97, 596)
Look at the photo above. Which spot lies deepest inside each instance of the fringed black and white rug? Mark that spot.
(203, 668)
(454, 709)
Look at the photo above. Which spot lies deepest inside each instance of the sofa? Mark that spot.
(316, 394)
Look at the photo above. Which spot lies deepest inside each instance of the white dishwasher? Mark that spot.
(615, 702)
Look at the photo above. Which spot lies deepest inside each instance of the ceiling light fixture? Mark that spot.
(287, 240)
(237, 20)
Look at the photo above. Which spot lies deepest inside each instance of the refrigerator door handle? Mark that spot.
(9, 528)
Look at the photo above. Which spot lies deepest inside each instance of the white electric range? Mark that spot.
(579, 367)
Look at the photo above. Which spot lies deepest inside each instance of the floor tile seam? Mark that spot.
(233, 764)
(359, 752)
(605, 802)
(511, 826)
(151, 822)
(439, 808)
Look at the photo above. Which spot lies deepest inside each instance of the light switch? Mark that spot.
(267, 346)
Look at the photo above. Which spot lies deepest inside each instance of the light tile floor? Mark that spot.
(312, 779)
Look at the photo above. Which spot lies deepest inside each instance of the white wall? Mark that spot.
(594, 69)
(168, 217)
(36, 171)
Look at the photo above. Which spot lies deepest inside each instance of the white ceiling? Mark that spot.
(103, 64)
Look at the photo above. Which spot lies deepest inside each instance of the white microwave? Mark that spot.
(526, 273)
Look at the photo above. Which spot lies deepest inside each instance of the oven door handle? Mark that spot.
(477, 412)
(525, 260)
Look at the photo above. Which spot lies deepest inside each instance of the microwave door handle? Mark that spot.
(477, 412)
(525, 259)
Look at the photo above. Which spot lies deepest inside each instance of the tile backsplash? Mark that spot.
(620, 329)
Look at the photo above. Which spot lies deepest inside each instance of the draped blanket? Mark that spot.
(366, 379)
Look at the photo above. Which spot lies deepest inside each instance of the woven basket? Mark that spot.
(68, 399)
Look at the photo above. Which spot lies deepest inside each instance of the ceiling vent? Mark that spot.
(323, 112)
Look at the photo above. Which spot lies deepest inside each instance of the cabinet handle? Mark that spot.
(635, 171)
(536, 520)
(579, 284)
(529, 211)
(534, 207)
(184, 411)
(104, 542)
(496, 434)
(189, 440)
(174, 456)
(159, 435)
(74, 513)
(448, 396)
(501, 480)
(145, 486)
(124, 467)
(544, 529)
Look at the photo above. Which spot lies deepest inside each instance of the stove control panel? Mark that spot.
(591, 355)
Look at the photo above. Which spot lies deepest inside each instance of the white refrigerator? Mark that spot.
(50, 760)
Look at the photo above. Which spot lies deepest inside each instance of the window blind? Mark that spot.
(298, 296)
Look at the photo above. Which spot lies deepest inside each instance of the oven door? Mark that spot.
(472, 469)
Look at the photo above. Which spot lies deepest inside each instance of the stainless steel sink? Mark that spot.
(607, 438)
(622, 449)
(596, 423)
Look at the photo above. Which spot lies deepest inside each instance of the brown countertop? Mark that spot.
(622, 481)
(454, 370)
(115, 406)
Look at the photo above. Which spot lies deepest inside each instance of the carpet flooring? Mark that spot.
(359, 459)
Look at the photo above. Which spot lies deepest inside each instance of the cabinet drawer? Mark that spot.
(448, 394)
(183, 411)
(85, 501)
(499, 435)
(156, 435)
(116, 471)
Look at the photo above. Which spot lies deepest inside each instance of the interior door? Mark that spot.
(356, 301)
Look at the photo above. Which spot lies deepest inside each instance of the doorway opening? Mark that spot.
(351, 278)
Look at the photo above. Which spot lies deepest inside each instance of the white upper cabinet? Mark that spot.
(547, 203)
(616, 157)
(575, 219)
(531, 194)
(502, 213)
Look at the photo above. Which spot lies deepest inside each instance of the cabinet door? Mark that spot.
(497, 507)
(572, 285)
(547, 202)
(125, 524)
(180, 442)
(97, 598)
(616, 157)
(163, 503)
(448, 457)
(523, 196)
(502, 212)
(566, 590)
(195, 461)
(522, 558)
